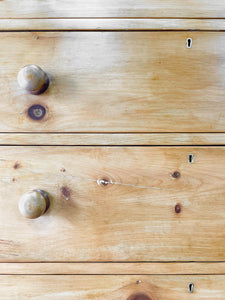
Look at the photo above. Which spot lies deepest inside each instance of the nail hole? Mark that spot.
(36, 112)
(17, 165)
(177, 208)
(191, 288)
(176, 174)
(191, 158)
(189, 42)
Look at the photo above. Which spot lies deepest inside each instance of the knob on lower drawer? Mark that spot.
(33, 79)
(34, 204)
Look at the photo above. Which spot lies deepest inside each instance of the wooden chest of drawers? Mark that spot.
(112, 158)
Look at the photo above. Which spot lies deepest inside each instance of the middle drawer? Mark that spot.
(115, 82)
(114, 203)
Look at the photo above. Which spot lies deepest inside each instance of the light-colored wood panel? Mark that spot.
(116, 81)
(111, 287)
(112, 268)
(112, 139)
(111, 24)
(112, 8)
(142, 214)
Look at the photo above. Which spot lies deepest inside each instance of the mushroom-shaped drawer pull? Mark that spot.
(33, 79)
(34, 204)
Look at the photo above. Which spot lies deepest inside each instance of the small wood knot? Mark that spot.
(36, 112)
(139, 296)
(65, 192)
(103, 181)
(176, 174)
(177, 208)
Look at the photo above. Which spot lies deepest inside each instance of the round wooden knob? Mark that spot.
(34, 204)
(33, 79)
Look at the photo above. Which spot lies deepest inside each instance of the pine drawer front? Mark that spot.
(115, 82)
(110, 8)
(114, 204)
(112, 287)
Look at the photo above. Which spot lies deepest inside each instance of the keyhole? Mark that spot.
(191, 288)
(189, 42)
(191, 158)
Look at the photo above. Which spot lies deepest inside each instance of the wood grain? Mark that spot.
(116, 81)
(156, 205)
(112, 8)
(111, 24)
(112, 268)
(118, 139)
(111, 287)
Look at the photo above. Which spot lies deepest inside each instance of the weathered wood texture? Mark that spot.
(111, 24)
(111, 287)
(112, 268)
(112, 8)
(147, 212)
(116, 81)
(118, 139)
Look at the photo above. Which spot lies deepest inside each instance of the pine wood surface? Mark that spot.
(105, 24)
(112, 8)
(115, 139)
(137, 268)
(114, 204)
(132, 287)
(116, 82)
(142, 88)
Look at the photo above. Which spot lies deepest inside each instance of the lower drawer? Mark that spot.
(112, 287)
(114, 204)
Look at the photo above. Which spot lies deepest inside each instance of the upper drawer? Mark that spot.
(113, 204)
(115, 82)
(112, 8)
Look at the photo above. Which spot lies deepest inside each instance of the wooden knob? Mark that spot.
(34, 204)
(33, 79)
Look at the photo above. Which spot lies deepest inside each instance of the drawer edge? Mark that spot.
(158, 268)
(113, 139)
(98, 24)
